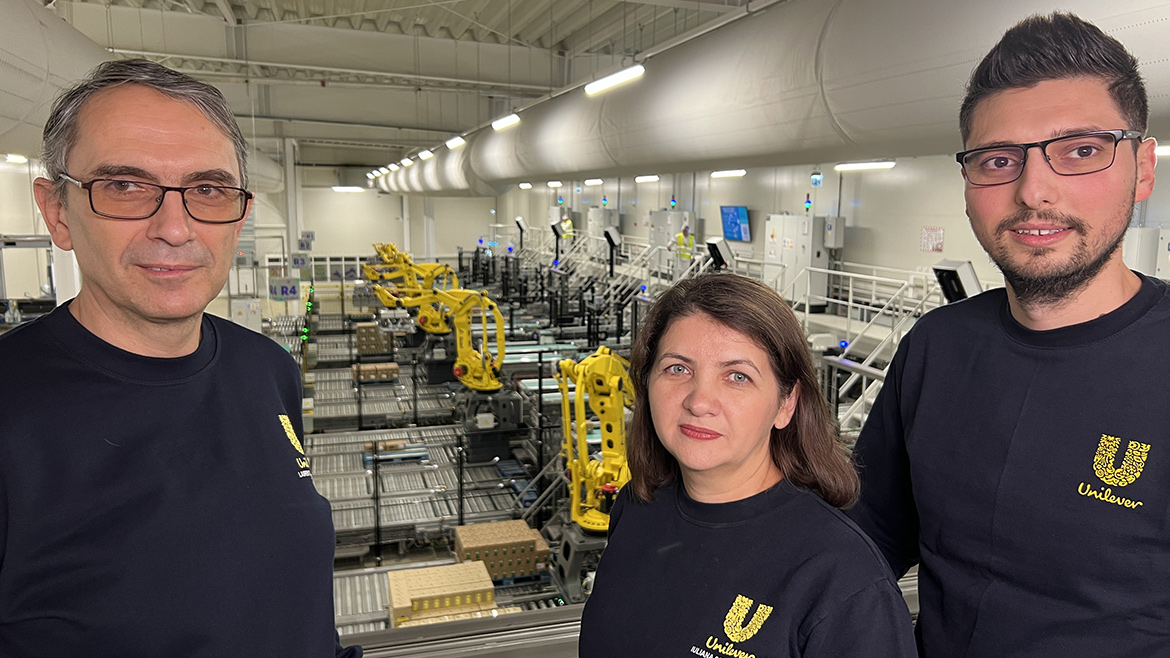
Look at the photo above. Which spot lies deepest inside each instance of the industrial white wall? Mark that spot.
(458, 222)
(350, 223)
(25, 270)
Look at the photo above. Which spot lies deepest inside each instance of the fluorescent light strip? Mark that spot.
(370, 175)
(383, 171)
(865, 166)
(555, 184)
(526, 186)
(625, 75)
(1159, 151)
(406, 162)
(455, 142)
(426, 154)
(590, 182)
(348, 188)
(14, 158)
(653, 178)
(505, 122)
(729, 173)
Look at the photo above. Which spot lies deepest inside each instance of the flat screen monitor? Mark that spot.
(735, 223)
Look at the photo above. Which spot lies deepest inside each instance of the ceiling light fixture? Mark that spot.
(729, 173)
(370, 175)
(383, 171)
(426, 154)
(625, 75)
(1159, 151)
(348, 188)
(590, 182)
(406, 162)
(14, 158)
(865, 166)
(555, 184)
(526, 186)
(505, 122)
(393, 166)
(652, 178)
(455, 142)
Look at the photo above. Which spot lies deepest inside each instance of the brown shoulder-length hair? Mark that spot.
(808, 451)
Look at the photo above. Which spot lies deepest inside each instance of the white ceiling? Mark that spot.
(366, 82)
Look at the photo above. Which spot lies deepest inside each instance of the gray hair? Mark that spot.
(62, 127)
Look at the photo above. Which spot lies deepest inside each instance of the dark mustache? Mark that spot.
(1026, 215)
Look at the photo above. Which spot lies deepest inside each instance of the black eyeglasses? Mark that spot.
(1074, 155)
(131, 199)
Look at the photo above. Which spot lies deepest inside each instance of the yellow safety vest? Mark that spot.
(686, 245)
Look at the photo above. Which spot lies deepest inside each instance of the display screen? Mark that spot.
(735, 223)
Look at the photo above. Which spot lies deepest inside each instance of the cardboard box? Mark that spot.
(432, 592)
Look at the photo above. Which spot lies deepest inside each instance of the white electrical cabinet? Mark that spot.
(246, 311)
(1140, 249)
(599, 219)
(665, 225)
(792, 244)
(1162, 259)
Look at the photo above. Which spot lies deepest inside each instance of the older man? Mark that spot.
(154, 496)
(1019, 450)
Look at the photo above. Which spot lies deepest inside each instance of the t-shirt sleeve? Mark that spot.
(886, 510)
(346, 652)
(872, 622)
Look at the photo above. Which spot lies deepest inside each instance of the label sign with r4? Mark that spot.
(284, 289)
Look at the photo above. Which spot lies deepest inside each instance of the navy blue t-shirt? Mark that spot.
(779, 574)
(157, 507)
(1027, 473)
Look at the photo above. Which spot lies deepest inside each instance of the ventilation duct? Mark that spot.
(40, 55)
(803, 81)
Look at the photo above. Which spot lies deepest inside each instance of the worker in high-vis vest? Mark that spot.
(685, 243)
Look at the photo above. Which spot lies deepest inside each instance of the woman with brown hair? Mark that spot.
(728, 540)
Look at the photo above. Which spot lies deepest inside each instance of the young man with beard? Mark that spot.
(1018, 451)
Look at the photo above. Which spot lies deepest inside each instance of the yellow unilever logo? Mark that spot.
(291, 433)
(302, 462)
(733, 624)
(1131, 464)
(1116, 476)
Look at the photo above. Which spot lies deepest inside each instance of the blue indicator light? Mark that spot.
(643, 288)
(556, 262)
(844, 344)
(509, 250)
(481, 240)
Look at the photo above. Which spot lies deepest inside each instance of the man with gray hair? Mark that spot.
(1018, 451)
(155, 498)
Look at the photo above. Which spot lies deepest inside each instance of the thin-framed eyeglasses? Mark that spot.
(1072, 155)
(115, 198)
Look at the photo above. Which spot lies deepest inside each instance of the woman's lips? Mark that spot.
(698, 433)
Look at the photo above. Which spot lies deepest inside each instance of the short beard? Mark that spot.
(1055, 287)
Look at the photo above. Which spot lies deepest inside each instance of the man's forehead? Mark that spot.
(1047, 109)
(133, 125)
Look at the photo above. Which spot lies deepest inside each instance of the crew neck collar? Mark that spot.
(735, 512)
(122, 364)
(1092, 331)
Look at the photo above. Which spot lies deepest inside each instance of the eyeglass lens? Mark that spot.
(134, 200)
(1071, 156)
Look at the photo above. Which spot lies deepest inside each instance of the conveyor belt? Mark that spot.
(414, 496)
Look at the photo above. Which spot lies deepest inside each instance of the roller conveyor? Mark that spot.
(413, 496)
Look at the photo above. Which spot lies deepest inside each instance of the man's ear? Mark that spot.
(1146, 161)
(53, 210)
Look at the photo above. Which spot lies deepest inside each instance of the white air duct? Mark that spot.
(800, 82)
(41, 55)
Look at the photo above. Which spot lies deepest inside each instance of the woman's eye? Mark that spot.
(740, 378)
(676, 369)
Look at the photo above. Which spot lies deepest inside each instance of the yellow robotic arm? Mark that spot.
(474, 369)
(602, 378)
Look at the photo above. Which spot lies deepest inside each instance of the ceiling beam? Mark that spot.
(224, 8)
(718, 6)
